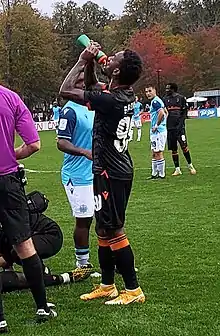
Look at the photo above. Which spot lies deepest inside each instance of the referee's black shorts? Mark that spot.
(111, 199)
(14, 213)
(176, 136)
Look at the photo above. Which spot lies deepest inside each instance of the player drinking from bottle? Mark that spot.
(112, 165)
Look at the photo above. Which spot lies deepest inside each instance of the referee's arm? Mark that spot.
(25, 127)
(24, 151)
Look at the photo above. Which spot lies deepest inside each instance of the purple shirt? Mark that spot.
(14, 116)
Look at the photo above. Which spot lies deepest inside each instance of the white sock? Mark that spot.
(105, 286)
(66, 278)
(161, 165)
(178, 169)
(139, 134)
(3, 324)
(82, 257)
(154, 167)
(131, 133)
(132, 290)
(190, 166)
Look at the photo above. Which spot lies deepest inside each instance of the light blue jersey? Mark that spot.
(76, 125)
(56, 113)
(137, 109)
(156, 105)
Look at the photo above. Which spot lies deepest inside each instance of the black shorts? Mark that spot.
(111, 199)
(176, 136)
(14, 213)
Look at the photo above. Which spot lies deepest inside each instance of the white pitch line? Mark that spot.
(138, 168)
(42, 171)
(144, 168)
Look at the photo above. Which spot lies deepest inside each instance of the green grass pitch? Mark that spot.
(174, 228)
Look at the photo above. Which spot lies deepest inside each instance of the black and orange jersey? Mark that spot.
(113, 112)
(177, 110)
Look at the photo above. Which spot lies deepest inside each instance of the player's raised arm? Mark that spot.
(90, 79)
(72, 77)
(68, 89)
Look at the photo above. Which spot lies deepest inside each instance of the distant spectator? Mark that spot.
(56, 111)
(36, 117)
(212, 103)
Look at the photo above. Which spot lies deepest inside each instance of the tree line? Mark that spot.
(177, 41)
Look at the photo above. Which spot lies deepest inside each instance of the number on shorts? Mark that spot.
(153, 144)
(98, 202)
(121, 144)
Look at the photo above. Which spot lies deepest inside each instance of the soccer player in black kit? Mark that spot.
(177, 113)
(112, 165)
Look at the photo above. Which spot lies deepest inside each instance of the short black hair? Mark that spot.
(131, 68)
(153, 86)
(173, 86)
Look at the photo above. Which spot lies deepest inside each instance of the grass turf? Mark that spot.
(173, 226)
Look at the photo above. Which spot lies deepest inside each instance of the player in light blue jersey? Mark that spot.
(56, 112)
(136, 119)
(75, 140)
(158, 132)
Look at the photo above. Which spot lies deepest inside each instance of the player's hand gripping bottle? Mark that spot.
(85, 41)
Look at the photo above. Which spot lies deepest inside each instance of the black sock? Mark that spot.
(187, 156)
(124, 258)
(176, 161)
(14, 281)
(52, 280)
(107, 262)
(2, 318)
(33, 272)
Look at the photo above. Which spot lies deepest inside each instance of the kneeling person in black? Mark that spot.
(112, 165)
(46, 233)
(48, 240)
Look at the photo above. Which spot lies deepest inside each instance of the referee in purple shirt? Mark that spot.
(14, 213)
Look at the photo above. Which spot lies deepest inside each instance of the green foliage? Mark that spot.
(191, 60)
(30, 49)
(70, 21)
(204, 66)
(191, 15)
(143, 13)
(36, 51)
